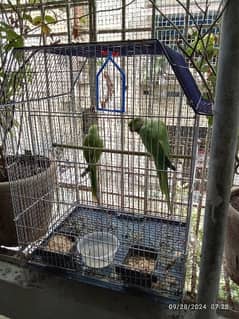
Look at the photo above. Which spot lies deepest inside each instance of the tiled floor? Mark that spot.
(31, 295)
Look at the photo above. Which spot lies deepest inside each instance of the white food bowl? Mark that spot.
(98, 249)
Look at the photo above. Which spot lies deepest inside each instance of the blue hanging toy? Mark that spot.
(110, 97)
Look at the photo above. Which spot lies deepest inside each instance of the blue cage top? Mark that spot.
(142, 47)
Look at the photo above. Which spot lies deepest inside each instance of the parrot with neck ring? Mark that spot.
(154, 136)
(92, 157)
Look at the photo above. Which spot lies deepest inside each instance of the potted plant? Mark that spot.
(32, 172)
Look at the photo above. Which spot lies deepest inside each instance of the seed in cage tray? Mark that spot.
(139, 266)
(172, 281)
(60, 243)
(141, 263)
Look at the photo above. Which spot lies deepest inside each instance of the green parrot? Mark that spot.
(92, 156)
(154, 136)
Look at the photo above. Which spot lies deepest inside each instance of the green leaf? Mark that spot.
(7, 30)
(189, 51)
(50, 19)
(27, 17)
(210, 120)
(14, 42)
(37, 20)
(11, 35)
(19, 42)
(45, 29)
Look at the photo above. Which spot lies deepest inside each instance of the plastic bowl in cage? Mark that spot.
(98, 249)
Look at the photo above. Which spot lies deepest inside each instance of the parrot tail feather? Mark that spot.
(94, 184)
(163, 181)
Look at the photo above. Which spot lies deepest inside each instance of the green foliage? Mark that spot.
(10, 37)
(50, 19)
(204, 51)
(204, 43)
(13, 30)
(43, 23)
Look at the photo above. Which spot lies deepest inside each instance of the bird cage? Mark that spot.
(102, 162)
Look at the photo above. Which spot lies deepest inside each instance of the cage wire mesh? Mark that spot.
(115, 21)
(118, 230)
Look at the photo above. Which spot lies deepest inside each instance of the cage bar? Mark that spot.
(130, 237)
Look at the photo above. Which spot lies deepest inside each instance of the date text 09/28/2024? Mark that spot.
(195, 306)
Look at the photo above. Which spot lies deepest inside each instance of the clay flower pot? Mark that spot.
(31, 207)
